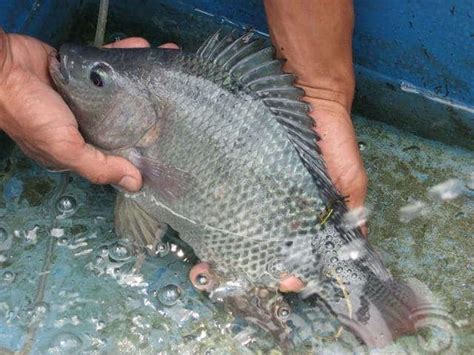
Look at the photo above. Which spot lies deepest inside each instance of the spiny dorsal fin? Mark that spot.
(252, 67)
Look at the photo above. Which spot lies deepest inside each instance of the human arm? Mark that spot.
(315, 38)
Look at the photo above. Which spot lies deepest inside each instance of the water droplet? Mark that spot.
(62, 241)
(169, 294)
(65, 342)
(99, 259)
(119, 252)
(339, 270)
(329, 245)
(66, 205)
(334, 259)
(354, 275)
(8, 276)
(362, 146)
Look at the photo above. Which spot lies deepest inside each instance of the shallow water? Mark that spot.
(66, 285)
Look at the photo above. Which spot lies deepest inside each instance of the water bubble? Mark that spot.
(339, 270)
(329, 245)
(447, 190)
(162, 249)
(362, 146)
(99, 259)
(8, 276)
(169, 295)
(334, 259)
(62, 241)
(413, 210)
(66, 205)
(119, 252)
(65, 342)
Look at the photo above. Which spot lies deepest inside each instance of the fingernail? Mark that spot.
(129, 183)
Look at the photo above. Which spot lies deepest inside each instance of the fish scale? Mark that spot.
(229, 159)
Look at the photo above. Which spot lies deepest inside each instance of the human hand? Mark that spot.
(40, 122)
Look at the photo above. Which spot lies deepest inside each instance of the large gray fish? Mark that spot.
(230, 161)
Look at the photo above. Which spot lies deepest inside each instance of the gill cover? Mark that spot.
(108, 94)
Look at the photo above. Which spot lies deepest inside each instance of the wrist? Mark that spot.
(329, 93)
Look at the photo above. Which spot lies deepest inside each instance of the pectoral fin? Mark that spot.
(134, 223)
(169, 182)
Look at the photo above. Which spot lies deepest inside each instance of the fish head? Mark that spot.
(107, 91)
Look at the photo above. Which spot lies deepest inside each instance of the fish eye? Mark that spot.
(96, 79)
(97, 74)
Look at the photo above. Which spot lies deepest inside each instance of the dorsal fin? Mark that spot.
(251, 67)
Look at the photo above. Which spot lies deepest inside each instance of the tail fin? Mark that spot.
(380, 311)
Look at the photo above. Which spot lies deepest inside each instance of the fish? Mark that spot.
(230, 161)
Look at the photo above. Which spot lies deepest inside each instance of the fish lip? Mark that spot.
(58, 69)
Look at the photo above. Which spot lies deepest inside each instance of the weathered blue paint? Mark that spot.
(414, 59)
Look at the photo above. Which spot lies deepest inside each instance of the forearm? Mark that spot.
(315, 37)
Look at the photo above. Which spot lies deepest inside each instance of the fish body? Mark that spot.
(230, 161)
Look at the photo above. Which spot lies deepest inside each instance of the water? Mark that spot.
(68, 285)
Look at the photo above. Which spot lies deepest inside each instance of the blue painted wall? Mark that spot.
(414, 58)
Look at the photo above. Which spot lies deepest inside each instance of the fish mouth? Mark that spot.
(58, 68)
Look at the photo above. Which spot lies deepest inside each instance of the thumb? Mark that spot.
(100, 168)
(5, 54)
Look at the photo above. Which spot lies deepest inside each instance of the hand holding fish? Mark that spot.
(41, 123)
(315, 39)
